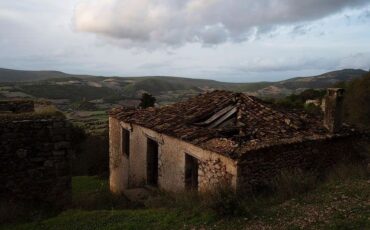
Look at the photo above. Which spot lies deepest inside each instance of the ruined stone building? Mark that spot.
(34, 155)
(220, 137)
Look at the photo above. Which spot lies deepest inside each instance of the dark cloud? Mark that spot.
(175, 22)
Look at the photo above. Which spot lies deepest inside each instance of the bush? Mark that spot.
(357, 101)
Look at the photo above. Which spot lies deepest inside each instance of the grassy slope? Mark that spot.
(73, 92)
(9, 75)
(333, 205)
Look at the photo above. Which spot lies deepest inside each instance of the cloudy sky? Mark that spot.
(228, 40)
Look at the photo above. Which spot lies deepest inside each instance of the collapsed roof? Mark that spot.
(227, 123)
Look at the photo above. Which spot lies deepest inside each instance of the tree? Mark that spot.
(357, 101)
(147, 100)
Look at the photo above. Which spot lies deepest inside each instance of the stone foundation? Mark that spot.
(34, 160)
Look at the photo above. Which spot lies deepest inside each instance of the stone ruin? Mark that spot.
(223, 137)
(34, 155)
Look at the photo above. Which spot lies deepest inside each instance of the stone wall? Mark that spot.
(259, 167)
(118, 163)
(213, 173)
(34, 159)
(132, 172)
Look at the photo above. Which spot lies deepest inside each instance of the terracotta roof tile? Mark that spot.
(255, 123)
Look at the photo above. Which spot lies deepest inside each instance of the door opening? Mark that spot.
(191, 172)
(152, 162)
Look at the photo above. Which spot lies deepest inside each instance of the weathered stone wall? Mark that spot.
(34, 160)
(118, 163)
(18, 106)
(213, 173)
(259, 167)
(171, 161)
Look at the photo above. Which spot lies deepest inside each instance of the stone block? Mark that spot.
(59, 153)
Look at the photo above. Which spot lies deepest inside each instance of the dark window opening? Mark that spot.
(126, 142)
(152, 162)
(191, 172)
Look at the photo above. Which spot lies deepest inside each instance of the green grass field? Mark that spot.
(340, 203)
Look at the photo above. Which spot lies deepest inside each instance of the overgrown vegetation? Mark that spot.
(337, 201)
(297, 101)
(357, 101)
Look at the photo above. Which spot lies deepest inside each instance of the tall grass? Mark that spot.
(290, 183)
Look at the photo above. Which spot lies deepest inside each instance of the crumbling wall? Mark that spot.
(118, 163)
(212, 173)
(34, 159)
(257, 168)
(132, 172)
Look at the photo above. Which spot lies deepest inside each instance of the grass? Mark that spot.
(341, 201)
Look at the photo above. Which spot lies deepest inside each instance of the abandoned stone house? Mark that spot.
(221, 137)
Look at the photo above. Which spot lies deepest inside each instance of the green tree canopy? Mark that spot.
(357, 101)
(147, 100)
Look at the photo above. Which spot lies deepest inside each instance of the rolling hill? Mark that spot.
(59, 85)
(324, 80)
(9, 75)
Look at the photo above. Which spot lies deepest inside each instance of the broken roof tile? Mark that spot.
(198, 121)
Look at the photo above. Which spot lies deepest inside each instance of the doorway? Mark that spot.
(191, 172)
(152, 162)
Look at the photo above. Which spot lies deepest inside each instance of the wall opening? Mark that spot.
(126, 142)
(152, 162)
(191, 172)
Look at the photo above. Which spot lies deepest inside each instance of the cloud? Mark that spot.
(176, 22)
(264, 65)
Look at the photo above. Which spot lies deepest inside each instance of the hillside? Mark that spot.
(323, 80)
(59, 85)
(9, 75)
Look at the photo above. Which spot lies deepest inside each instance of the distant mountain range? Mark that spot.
(59, 85)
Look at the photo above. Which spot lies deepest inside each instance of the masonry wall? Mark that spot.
(34, 160)
(259, 167)
(118, 164)
(213, 168)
